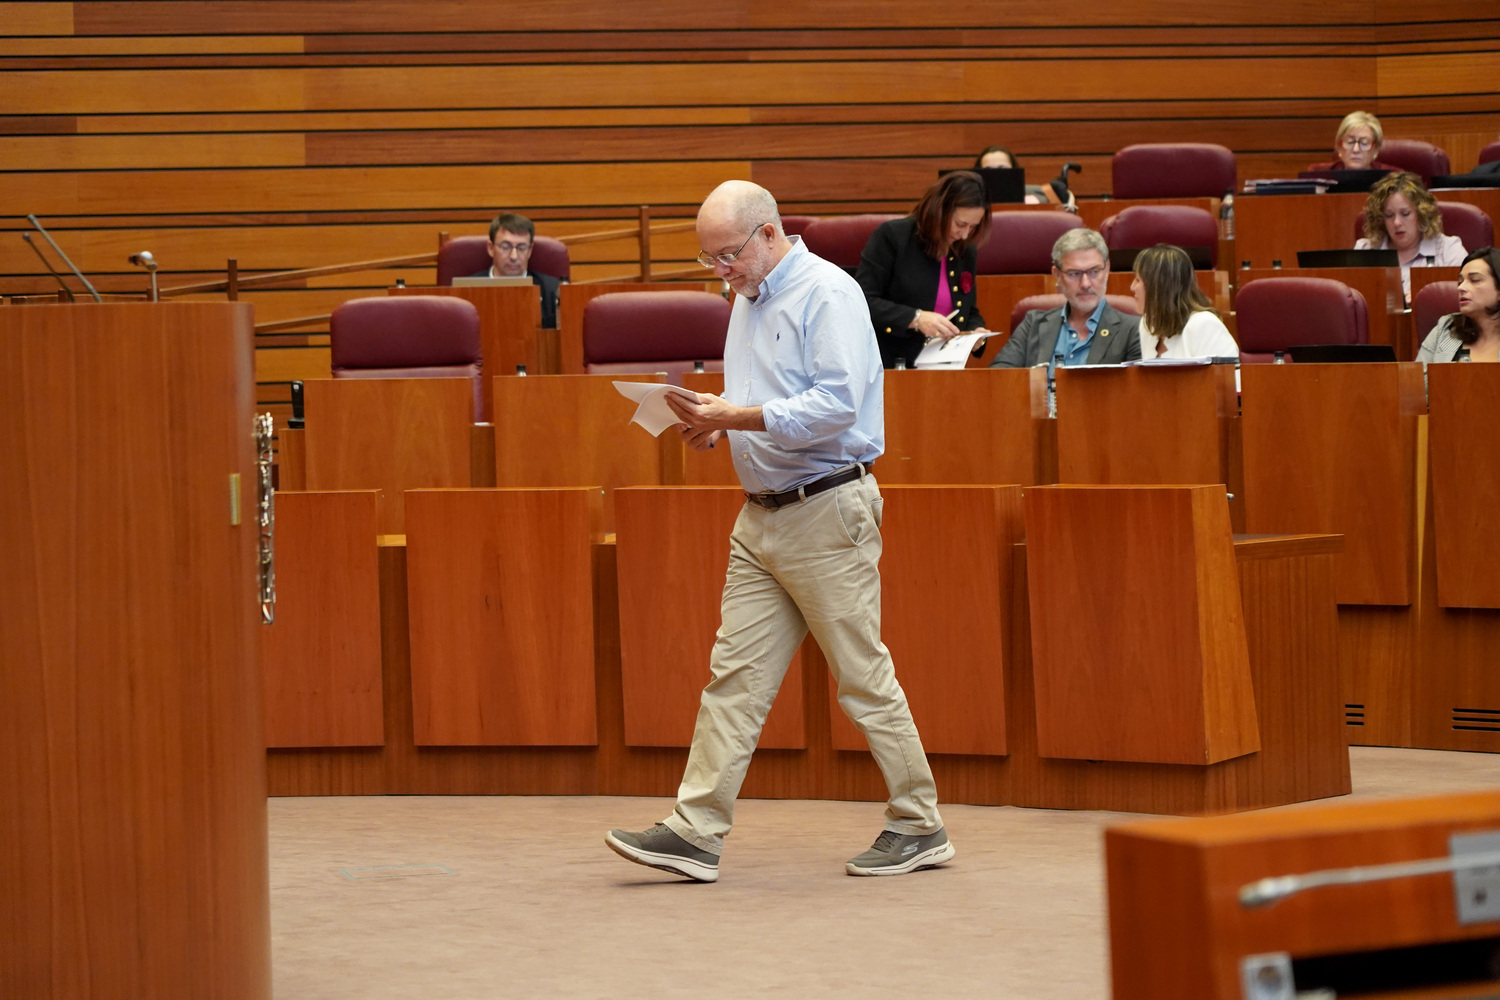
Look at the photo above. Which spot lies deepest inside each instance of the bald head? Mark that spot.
(740, 205)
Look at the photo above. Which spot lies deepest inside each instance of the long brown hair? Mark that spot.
(1465, 328)
(1172, 292)
(934, 213)
(1429, 216)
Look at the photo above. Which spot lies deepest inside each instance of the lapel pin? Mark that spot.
(1104, 333)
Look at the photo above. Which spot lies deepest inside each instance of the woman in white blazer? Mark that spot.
(1177, 319)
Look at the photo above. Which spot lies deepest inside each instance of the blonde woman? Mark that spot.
(1401, 215)
(1356, 145)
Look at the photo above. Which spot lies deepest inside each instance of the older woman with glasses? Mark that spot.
(1356, 145)
(918, 271)
(1402, 215)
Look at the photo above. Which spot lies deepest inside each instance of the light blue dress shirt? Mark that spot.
(804, 351)
(1072, 349)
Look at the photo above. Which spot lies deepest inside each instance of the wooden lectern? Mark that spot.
(1137, 633)
(132, 766)
(1178, 929)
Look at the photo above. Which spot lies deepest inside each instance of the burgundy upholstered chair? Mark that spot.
(638, 332)
(1490, 153)
(1274, 314)
(1173, 170)
(1124, 303)
(1469, 223)
(1421, 158)
(466, 255)
(1142, 226)
(796, 225)
(840, 239)
(1433, 302)
(408, 336)
(1021, 242)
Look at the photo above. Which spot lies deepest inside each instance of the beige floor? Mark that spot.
(536, 906)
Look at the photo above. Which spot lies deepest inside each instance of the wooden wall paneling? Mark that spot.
(133, 853)
(1179, 882)
(574, 430)
(391, 435)
(955, 540)
(1385, 304)
(1465, 471)
(1332, 448)
(136, 152)
(673, 554)
(508, 322)
(500, 590)
(714, 467)
(1127, 684)
(972, 426)
(573, 299)
(286, 364)
(321, 658)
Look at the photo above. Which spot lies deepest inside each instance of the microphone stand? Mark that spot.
(71, 266)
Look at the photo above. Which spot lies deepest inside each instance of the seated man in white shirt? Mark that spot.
(1177, 319)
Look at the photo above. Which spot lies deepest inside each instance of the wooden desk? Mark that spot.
(1178, 931)
(985, 426)
(321, 658)
(508, 325)
(673, 553)
(390, 435)
(1137, 636)
(500, 597)
(1333, 448)
(1384, 300)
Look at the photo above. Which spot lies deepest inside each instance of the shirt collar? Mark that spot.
(1093, 321)
(782, 272)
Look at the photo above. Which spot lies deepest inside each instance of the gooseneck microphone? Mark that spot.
(144, 259)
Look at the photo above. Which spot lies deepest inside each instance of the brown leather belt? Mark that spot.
(775, 501)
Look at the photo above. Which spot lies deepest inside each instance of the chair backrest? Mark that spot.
(634, 332)
(1433, 302)
(1021, 242)
(795, 225)
(1274, 314)
(1142, 226)
(1173, 170)
(840, 239)
(1469, 223)
(1490, 153)
(408, 336)
(1123, 303)
(1415, 155)
(466, 255)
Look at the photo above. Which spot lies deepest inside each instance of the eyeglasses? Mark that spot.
(506, 249)
(727, 259)
(1352, 143)
(1093, 274)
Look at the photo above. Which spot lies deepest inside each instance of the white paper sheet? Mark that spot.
(951, 353)
(652, 411)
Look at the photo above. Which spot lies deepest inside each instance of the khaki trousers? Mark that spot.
(814, 566)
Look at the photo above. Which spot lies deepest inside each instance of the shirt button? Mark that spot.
(747, 381)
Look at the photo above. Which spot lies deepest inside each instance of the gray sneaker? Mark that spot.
(660, 848)
(898, 853)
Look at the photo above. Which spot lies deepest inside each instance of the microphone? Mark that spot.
(144, 259)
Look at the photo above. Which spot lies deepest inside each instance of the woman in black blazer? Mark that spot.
(905, 259)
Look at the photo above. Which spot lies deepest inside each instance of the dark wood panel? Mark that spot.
(38, 124)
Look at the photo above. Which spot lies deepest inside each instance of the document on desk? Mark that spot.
(651, 410)
(951, 353)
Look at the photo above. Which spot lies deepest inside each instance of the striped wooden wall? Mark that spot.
(293, 134)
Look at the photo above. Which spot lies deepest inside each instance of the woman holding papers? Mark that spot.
(1402, 215)
(1472, 333)
(1177, 320)
(918, 272)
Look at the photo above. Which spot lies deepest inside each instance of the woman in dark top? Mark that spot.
(918, 271)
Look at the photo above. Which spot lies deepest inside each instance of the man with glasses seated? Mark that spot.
(511, 238)
(1086, 329)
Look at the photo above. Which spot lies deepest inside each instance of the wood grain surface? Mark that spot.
(1465, 477)
(133, 856)
(673, 553)
(500, 591)
(391, 435)
(321, 657)
(1137, 629)
(976, 426)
